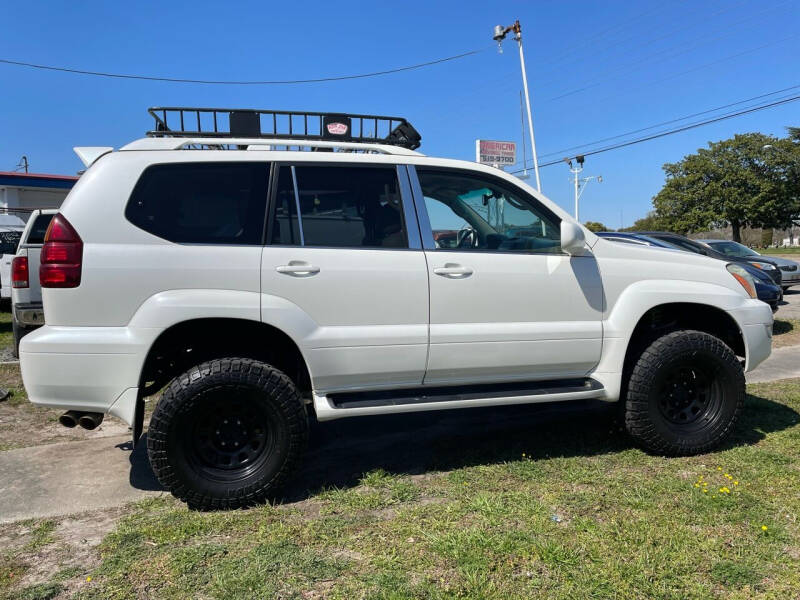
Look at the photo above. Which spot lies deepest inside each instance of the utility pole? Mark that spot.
(23, 164)
(500, 33)
(578, 183)
(522, 131)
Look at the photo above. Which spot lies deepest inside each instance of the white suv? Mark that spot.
(258, 285)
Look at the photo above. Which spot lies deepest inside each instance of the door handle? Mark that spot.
(298, 269)
(453, 270)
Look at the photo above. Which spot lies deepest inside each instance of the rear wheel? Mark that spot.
(685, 394)
(227, 433)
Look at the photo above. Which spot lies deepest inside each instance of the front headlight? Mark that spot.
(764, 266)
(744, 278)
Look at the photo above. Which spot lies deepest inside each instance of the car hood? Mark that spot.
(782, 262)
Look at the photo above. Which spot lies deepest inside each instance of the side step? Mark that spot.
(346, 404)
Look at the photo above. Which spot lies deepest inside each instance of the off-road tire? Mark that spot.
(664, 411)
(186, 455)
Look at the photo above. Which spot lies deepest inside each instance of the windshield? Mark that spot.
(733, 249)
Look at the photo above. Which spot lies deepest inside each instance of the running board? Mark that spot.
(351, 404)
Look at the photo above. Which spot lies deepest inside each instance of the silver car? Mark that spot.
(790, 270)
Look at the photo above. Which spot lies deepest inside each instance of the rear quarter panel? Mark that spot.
(124, 266)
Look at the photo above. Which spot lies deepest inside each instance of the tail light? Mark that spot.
(62, 254)
(19, 272)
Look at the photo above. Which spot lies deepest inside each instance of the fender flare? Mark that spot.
(640, 297)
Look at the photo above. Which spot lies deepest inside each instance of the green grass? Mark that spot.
(791, 250)
(565, 510)
(6, 333)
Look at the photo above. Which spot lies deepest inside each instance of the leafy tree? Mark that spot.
(595, 226)
(734, 182)
(651, 222)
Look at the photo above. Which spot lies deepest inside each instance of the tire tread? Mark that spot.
(637, 403)
(226, 371)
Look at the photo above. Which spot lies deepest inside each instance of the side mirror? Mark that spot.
(572, 238)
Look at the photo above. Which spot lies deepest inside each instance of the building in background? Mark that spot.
(20, 193)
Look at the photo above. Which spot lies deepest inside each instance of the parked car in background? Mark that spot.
(633, 238)
(766, 265)
(11, 227)
(767, 290)
(789, 269)
(26, 292)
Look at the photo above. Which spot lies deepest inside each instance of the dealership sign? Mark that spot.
(498, 154)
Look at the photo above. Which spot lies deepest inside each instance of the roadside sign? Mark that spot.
(495, 153)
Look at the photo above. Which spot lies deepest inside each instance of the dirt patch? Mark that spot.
(67, 555)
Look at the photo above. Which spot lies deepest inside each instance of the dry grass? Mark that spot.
(785, 332)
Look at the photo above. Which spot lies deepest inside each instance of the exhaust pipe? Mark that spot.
(90, 420)
(69, 418)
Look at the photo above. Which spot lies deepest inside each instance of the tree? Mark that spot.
(734, 182)
(595, 226)
(651, 222)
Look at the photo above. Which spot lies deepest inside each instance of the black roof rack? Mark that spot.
(184, 121)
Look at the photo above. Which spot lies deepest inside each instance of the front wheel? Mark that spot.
(227, 433)
(685, 394)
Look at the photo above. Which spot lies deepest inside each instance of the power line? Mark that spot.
(673, 131)
(222, 82)
(586, 41)
(643, 62)
(697, 114)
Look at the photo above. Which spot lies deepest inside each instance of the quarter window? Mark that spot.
(343, 207)
(469, 212)
(202, 203)
(9, 240)
(38, 229)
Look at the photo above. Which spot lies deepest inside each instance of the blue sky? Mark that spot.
(623, 66)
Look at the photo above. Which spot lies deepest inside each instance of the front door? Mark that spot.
(506, 303)
(353, 264)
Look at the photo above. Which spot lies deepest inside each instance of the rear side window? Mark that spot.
(38, 229)
(9, 240)
(202, 203)
(341, 207)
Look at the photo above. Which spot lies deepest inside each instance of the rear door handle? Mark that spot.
(453, 270)
(298, 268)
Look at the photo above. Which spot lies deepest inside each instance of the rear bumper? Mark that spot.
(29, 315)
(83, 368)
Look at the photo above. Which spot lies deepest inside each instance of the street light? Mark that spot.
(576, 170)
(500, 33)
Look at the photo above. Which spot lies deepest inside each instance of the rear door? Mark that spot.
(506, 302)
(9, 240)
(343, 246)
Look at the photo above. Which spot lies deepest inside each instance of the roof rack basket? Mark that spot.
(183, 121)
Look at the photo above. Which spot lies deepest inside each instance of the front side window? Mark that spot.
(202, 203)
(470, 212)
(340, 207)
